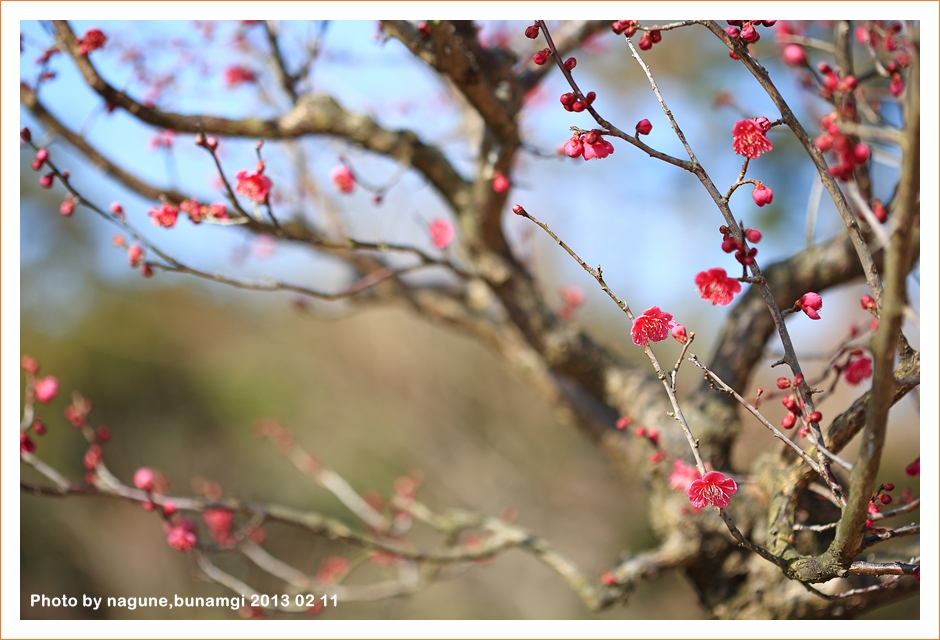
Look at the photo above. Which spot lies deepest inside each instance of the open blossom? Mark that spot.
(92, 40)
(198, 212)
(254, 186)
(343, 178)
(236, 75)
(588, 145)
(857, 370)
(46, 388)
(600, 149)
(682, 476)
(810, 303)
(715, 285)
(442, 232)
(749, 139)
(653, 325)
(713, 488)
(164, 216)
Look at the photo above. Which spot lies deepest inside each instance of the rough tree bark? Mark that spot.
(589, 385)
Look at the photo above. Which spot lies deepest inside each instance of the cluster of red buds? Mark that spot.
(747, 29)
(896, 84)
(795, 406)
(198, 212)
(652, 435)
(832, 83)
(881, 497)
(876, 35)
(571, 102)
(625, 27)
(93, 40)
(648, 39)
(848, 153)
(742, 254)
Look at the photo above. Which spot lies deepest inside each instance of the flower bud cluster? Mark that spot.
(625, 27)
(848, 154)
(742, 253)
(648, 39)
(747, 29)
(571, 102)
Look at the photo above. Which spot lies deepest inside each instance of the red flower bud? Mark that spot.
(762, 195)
(643, 127)
(794, 55)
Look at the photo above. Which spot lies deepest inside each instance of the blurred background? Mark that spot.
(180, 370)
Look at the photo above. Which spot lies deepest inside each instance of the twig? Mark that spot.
(754, 411)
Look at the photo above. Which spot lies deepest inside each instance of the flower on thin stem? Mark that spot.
(652, 325)
(680, 334)
(858, 369)
(810, 304)
(254, 186)
(164, 216)
(714, 489)
(749, 139)
(93, 40)
(762, 195)
(716, 286)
